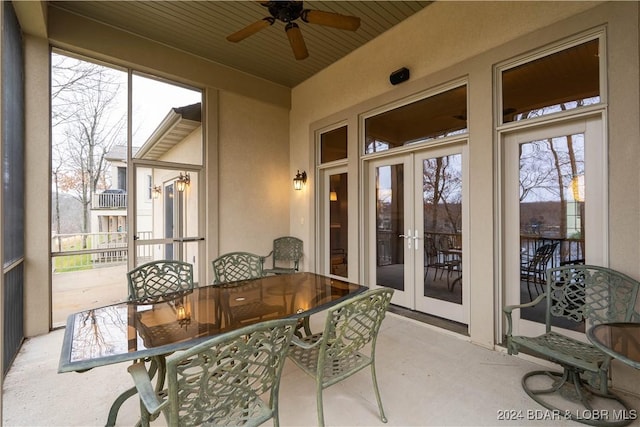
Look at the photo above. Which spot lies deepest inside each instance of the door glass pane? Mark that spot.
(551, 214)
(389, 226)
(338, 223)
(442, 204)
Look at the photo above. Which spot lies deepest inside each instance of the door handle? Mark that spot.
(416, 238)
(408, 237)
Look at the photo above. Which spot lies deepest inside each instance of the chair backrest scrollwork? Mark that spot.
(235, 266)
(593, 293)
(221, 381)
(152, 281)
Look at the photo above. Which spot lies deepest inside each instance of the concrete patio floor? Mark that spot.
(427, 377)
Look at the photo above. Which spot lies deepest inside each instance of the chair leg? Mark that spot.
(319, 403)
(375, 388)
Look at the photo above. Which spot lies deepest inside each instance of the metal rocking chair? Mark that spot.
(580, 293)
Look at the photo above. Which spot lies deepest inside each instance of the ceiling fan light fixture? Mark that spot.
(285, 11)
(289, 11)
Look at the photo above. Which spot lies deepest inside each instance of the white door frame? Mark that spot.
(412, 297)
(596, 214)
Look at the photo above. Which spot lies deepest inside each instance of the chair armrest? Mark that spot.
(263, 258)
(509, 309)
(147, 394)
(309, 343)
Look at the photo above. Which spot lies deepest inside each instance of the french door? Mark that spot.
(416, 218)
(555, 199)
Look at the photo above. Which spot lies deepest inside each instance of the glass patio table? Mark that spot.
(618, 340)
(152, 329)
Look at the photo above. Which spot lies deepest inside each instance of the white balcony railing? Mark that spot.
(109, 200)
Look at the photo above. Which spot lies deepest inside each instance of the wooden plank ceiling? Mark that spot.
(201, 27)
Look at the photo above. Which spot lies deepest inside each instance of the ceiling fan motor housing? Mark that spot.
(285, 11)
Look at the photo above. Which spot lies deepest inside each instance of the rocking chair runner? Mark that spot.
(581, 293)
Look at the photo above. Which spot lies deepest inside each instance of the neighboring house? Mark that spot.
(109, 207)
(159, 214)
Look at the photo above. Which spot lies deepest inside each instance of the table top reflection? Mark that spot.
(138, 329)
(618, 340)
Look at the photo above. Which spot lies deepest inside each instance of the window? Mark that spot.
(561, 81)
(122, 178)
(149, 187)
(437, 116)
(338, 223)
(333, 145)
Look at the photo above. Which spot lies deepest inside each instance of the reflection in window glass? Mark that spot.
(442, 205)
(333, 145)
(438, 116)
(562, 81)
(389, 225)
(551, 212)
(338, 223)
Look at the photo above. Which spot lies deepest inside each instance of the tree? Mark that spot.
(87, 120)
(442, 187)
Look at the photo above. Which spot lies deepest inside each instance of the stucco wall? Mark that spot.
(253, 163)
(37, 218)
(451, 40)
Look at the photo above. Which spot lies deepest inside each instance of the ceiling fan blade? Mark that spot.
(330, 19)
(297, 41)
(250, 30)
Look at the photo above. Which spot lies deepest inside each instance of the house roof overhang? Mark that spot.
(175, 127)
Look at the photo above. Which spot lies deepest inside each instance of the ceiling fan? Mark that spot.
(289, 11)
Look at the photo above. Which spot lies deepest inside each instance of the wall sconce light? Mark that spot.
(333, 196)
(183, 181)
(299, 180)
(157, 190)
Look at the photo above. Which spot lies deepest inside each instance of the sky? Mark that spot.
(152, 100)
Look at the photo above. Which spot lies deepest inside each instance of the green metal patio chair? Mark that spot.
(235, 266)
(580, 293)
(150, 282)
(285, 256)
(334, 355)
(221, 381)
